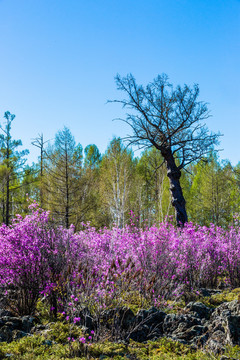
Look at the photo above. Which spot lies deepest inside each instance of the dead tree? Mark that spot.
(170, 120)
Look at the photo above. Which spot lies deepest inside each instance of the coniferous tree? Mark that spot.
(12, 162)
(63, 188)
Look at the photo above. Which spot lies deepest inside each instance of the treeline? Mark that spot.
(81, 185)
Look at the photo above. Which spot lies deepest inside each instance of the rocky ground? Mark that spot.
(196, 325)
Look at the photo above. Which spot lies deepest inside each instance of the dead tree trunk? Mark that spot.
(178, 201)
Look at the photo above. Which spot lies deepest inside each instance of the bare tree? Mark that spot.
(170, 120)
(39, 143)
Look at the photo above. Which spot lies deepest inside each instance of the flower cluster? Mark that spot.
(160, 261)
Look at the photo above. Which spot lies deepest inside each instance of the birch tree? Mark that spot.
(116, 171)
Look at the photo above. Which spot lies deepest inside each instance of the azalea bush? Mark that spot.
(109, 267)
(34, 257)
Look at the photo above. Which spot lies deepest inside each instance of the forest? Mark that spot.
(82, 185)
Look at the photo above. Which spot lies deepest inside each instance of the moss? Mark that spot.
(60, 331)
(36, 347)
(218, 299)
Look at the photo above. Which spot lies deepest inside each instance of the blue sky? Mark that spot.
(59, 59)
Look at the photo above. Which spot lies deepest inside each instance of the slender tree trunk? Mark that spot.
(178, 200)
(67, 194)
(7, 202)
(3, 205)
(41, 174)
(8, 179)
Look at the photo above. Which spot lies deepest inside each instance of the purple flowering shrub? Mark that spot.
(34, 256)
(101, 269)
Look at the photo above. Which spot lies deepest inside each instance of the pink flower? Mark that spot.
(76, 319)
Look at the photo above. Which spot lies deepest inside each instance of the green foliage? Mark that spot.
(218, 299)
(62, 178)
(153, 187)
(92, 156)
(116, 182)
(41, 348)
(105, 190)
(60, 331)
(11, 164)
(213, 193)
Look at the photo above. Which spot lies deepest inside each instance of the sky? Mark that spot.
(58, 60)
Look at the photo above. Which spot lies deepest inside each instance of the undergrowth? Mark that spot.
(41, 348)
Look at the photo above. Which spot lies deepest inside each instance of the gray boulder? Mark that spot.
(224, 327)
(199, 310)
(175, 323)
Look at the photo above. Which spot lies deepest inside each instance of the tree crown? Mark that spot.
(167, 118)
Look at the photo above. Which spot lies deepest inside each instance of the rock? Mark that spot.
(179, 323)
(47, 342)
(12, 322)
(147, 325)
(27, 323)
(233, 307)
(38, 328)
(209, 292)
(126, 318)
(224, 327)
(140, 333)
(151, 317)
(191, 333)
(121, 318)
(6, 334)
(18, 334)
(199, 310)
(5, 313)
(200, 341)
(86, 318)
(13, 328)
(215, 346)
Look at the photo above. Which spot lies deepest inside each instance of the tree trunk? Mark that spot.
(8, 178)
(178, 200)
(41, 174)
(7, 202)
(67, 192)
